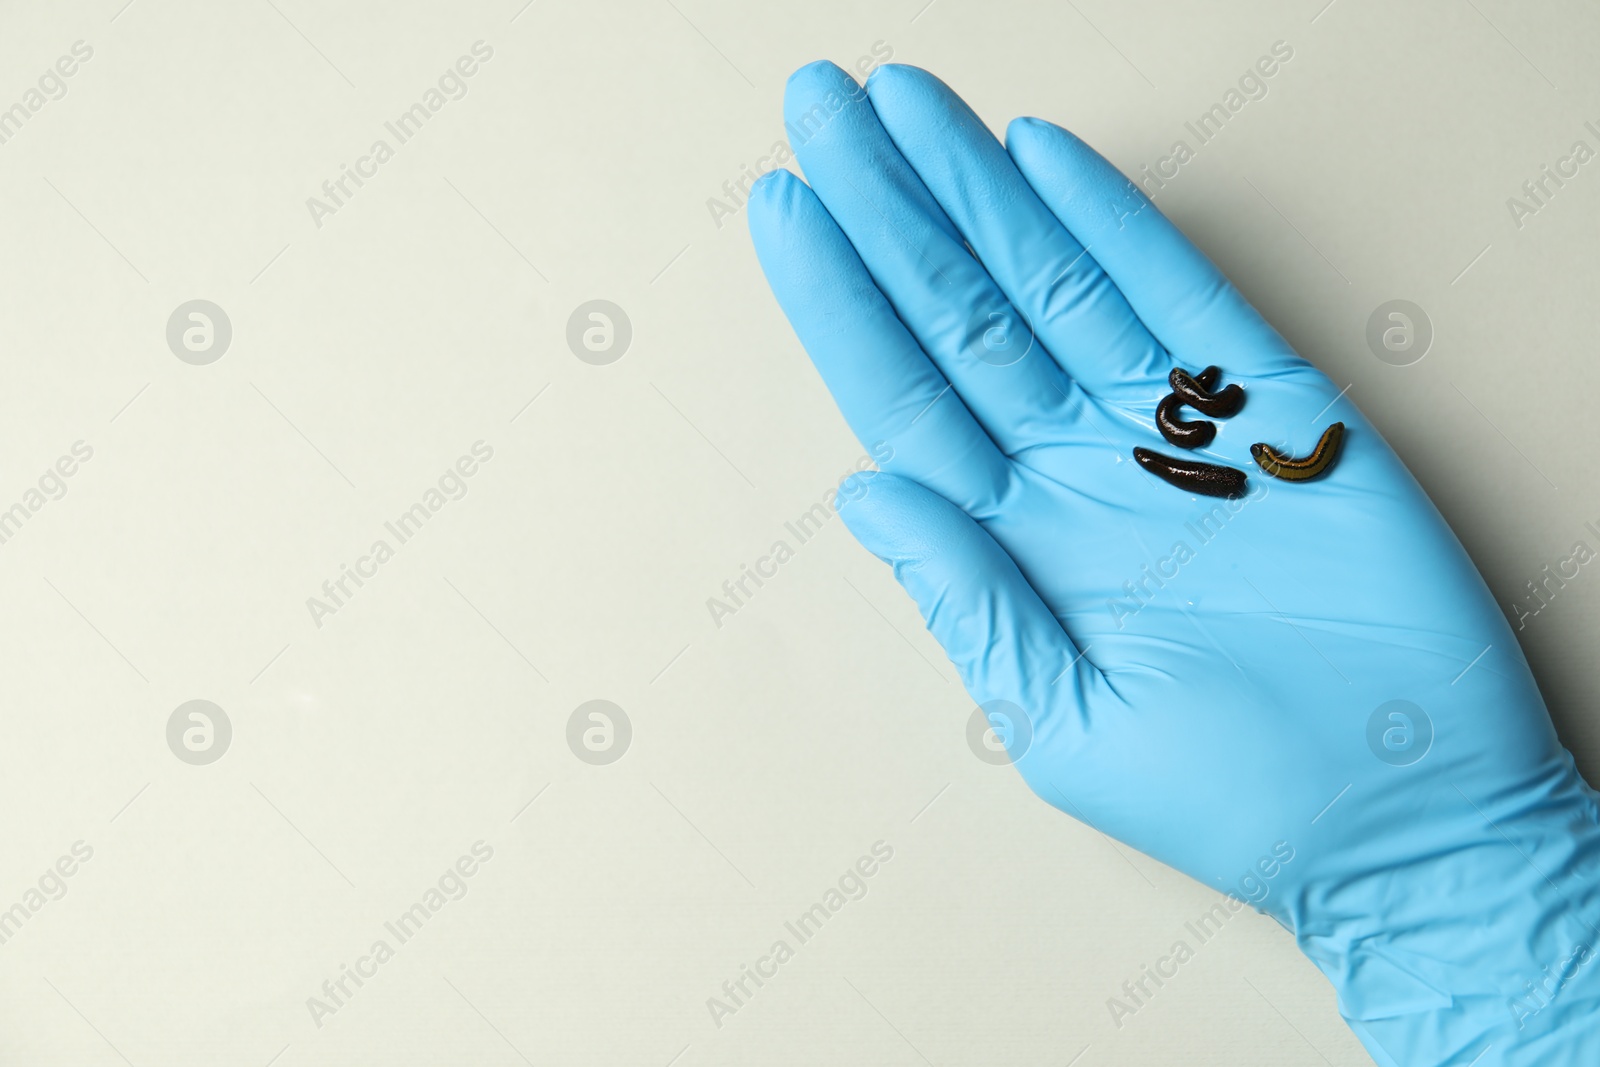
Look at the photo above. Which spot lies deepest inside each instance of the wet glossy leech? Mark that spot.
(1289, 468)
(1195, 391)
(1207, 479)
(1178, 430)
(1182, 432)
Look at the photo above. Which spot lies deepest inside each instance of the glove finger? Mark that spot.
(939, 290)
(1000, 636)
(1074, 307)
(1182, 298)
(881, 379)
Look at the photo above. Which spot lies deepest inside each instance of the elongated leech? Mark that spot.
(1290, 469)
(1207, 479)
(1179, 431)
(1195, 390)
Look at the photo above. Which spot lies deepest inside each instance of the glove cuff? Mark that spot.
(1485, 951)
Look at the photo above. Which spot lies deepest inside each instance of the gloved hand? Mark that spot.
(1211, 679)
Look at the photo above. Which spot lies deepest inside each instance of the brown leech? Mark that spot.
(1195, 390)
(1207, 479)
(1288, 468)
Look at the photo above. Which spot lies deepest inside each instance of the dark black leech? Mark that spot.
(1195, 390)
(1207, 479)
(1181, 432)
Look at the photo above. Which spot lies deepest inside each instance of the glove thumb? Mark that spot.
(1011, 652)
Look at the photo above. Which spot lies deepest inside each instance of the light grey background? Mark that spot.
(430, 312)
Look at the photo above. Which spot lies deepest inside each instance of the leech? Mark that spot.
(1288, 468)
(1182, 432)
(1207, 479)
(1195, 390)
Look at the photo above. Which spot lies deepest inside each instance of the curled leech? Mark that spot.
(1195, 390)
(1207, 479)
(1178, 430)
(1289, 468)
(1182, 432)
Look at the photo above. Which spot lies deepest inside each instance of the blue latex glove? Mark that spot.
(1207, 680)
